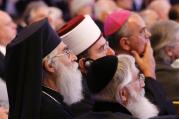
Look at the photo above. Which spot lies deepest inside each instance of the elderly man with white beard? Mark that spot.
(61, 74)
(85, 39)
(36, 81)
(118, 86)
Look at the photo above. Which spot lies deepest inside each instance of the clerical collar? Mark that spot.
(3, 49)
(52, 94)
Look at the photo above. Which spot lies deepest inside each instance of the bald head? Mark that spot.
(161, 7)
(150, 17)
(8, 28)
(38, 14)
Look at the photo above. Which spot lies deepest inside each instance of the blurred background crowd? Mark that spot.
(161, 18)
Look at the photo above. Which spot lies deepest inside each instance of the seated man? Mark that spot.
(118, 86)
(165, 42)
(127, 34)
(24, 73)
(85, 39)
(8, 31)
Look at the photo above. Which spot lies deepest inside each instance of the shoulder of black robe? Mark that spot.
(105, 115)
(52, 106)
(23, 68)
(156, 94)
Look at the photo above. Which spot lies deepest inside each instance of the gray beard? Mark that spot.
(69, 83)
(141, 107)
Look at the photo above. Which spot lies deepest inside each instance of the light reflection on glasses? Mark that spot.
(141, 77)
(67, 52)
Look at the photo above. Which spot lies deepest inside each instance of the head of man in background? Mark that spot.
(36, 10)
(81, 7)
(8, 29)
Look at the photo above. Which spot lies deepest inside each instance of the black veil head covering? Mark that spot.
(23, 66)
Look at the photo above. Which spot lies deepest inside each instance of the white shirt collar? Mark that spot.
(3, 49)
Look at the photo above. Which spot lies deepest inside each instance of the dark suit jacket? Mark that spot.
(53, 109)
(101, 106)
(169, 79)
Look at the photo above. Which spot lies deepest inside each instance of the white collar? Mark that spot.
(3, 49)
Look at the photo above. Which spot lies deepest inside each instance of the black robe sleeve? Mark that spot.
(156, 94)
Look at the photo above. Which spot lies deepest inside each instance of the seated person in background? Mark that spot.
(161, 7)
(165, 43)
(8, 31)
(35, 11)
(127, 34)
(56, 17)
(149, 16)
(174, 13)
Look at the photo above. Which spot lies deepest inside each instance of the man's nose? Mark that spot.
(73, 57)
(110, 51)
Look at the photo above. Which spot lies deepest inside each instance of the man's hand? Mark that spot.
(147, 62)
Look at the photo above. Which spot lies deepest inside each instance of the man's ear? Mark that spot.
(48, 67)
(124, 44)
(82, 65)
(122, 95)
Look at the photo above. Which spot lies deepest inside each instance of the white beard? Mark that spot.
(141, 107)
(69, 83)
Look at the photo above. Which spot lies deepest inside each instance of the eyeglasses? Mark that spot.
(144, 33)
(141, 77)
(67, 52)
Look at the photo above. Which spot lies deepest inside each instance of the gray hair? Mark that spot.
(49, 59)
(163, 35)
(122, 77)
(34, 5)
(104, 6)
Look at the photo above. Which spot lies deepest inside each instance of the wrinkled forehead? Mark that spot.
(60, 48)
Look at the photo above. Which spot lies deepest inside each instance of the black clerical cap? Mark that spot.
(23, 66)
(101, 72)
